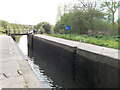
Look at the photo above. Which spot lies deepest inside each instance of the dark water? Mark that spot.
(46, 80)
(48, 73)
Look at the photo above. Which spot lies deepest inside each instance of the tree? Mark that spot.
(47, 28)
(111, 7)
(80, 20)
(85, 16)
(60, 25)
(86, 4)
(44, 27)
(4, 24)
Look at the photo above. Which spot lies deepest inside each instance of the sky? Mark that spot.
(29, 11)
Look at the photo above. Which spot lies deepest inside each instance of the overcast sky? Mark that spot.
(29, 11)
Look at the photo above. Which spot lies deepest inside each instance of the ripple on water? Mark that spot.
(47, 81)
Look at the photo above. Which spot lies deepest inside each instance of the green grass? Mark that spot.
(2, 33)
(17, 38)
(1, 29)
(101, 40)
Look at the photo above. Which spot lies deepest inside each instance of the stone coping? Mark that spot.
(109, 52)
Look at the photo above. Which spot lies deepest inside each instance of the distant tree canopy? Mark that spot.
(44, 27)
(88, 18)
(6, 25)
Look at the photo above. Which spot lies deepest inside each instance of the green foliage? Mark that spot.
(47, 28)
(111, 9)
(4, 25)
(101, 40)
(44, 27)
(89, 19)
(17, 38)
(42, 30)
(2, 29)
(60, 25)
(82, 21)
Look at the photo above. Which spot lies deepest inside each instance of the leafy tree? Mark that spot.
(4, 24)
(60, 25)
(44, 27)
(87, 16)
(81, 21)
(47, 28)
(111, 7)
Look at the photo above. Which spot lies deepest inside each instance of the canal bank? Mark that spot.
(15, 71)
(72, 64)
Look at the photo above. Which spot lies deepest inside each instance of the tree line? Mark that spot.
(4, 25)
(42, 27)
(90, 18)
(84, 17)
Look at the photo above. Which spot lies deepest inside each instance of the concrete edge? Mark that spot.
(25, 59)
(104, 57)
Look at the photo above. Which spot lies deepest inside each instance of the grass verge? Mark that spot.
(100, 40)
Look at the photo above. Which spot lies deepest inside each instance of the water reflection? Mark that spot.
(23, 44)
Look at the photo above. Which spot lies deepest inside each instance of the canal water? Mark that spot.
(46, 80)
